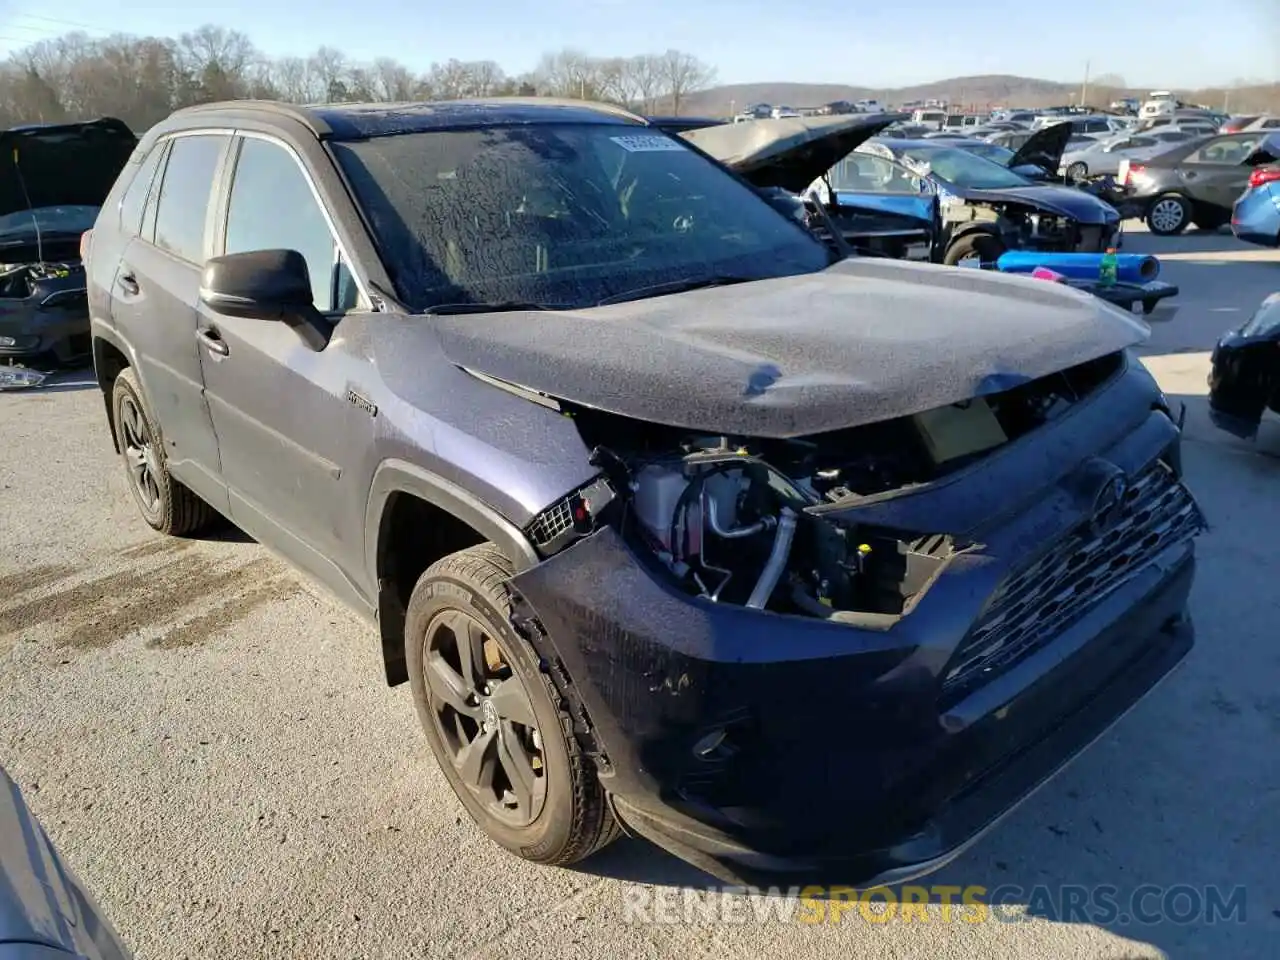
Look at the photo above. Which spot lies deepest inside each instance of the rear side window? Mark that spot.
(135, 197)
(183, 206)
(1225, 150)
(273, 208)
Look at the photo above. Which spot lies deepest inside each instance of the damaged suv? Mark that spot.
(676, 521)
(54, 180)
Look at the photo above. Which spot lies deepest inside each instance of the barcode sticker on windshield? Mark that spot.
(646, 143)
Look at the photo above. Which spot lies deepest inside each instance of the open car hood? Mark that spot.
(67, 164)
(1044, 149)
(1268, 151)
(862, 341)
(790, 152)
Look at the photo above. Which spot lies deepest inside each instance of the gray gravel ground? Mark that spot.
(211, 745)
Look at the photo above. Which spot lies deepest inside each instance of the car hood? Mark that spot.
(1044, 149)
(1064, 201)
(790, 152)
(69, 164)
(863, 341)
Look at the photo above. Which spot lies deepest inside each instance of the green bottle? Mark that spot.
(1107, 269)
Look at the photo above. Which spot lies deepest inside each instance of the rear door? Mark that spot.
(1216, 172)
(154, 297)
(287, 430)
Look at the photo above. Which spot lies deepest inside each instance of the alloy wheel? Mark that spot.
(1167, 214)
(485, 718)
(140, 455)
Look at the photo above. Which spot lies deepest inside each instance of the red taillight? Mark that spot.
(1135, 170)
(85, 239)
(1264, 175)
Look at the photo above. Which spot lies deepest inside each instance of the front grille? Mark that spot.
(553, 522)
(1038, 602)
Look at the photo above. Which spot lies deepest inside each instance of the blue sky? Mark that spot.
(1175, 43)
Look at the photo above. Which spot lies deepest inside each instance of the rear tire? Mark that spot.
(985, 247)
(503, 709)
(167, 506)
(1168, 215)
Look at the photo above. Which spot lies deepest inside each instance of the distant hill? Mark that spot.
(982, 92)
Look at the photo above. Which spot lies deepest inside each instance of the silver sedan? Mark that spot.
(1103, 157)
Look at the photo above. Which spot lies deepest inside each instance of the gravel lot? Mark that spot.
(212, 747)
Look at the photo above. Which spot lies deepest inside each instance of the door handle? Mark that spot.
(212, 341)
(1188, 175)
(129, 284)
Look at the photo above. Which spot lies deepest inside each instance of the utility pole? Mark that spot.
(1084, 87)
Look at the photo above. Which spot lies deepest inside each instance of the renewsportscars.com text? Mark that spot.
(1102, 904)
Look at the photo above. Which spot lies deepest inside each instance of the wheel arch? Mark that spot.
(413, 518)
(110, 356)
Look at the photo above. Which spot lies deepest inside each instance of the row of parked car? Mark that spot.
(947, 199)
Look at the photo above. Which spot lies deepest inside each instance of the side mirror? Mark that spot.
(259, 284)
(265, 285)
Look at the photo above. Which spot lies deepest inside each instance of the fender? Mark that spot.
(104, 333)
(400, 476)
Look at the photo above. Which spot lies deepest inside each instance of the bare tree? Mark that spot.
(683, 74)
(645, 72)
(329, 74)
(392, 80)
(142, 79)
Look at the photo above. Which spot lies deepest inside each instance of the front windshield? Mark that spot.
(50, 220)
(991, 151)
(963, 169)
(562, 215)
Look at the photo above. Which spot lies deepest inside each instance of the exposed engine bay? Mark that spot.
(751, 522)
(21, 281)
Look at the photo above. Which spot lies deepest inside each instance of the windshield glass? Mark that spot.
(964, 169)
(51, 220)
(562, 215)
(991, 151)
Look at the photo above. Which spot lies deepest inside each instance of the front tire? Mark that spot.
(166, 505)
(980, 246)
(1078, 171)
(1168, 215)
(493, 717)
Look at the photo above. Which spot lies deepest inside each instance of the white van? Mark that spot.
(1160, 103)
(869, 106)
(934, 119)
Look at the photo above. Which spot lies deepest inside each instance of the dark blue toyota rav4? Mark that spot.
(677, 520)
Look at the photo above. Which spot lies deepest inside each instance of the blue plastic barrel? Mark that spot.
(1130, 267)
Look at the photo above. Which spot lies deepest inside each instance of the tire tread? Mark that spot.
(185, 512)
(489, 571)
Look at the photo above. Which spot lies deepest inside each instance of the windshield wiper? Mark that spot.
(673, 286)
(505, 306)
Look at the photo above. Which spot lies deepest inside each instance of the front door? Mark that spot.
(287, 434)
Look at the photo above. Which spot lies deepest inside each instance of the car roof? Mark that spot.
(897, 143)
(359, 121)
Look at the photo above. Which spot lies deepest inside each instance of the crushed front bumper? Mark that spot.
(770, 748)
(815, 765)
(27, 332)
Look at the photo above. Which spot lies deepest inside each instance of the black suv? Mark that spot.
(677, 520)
